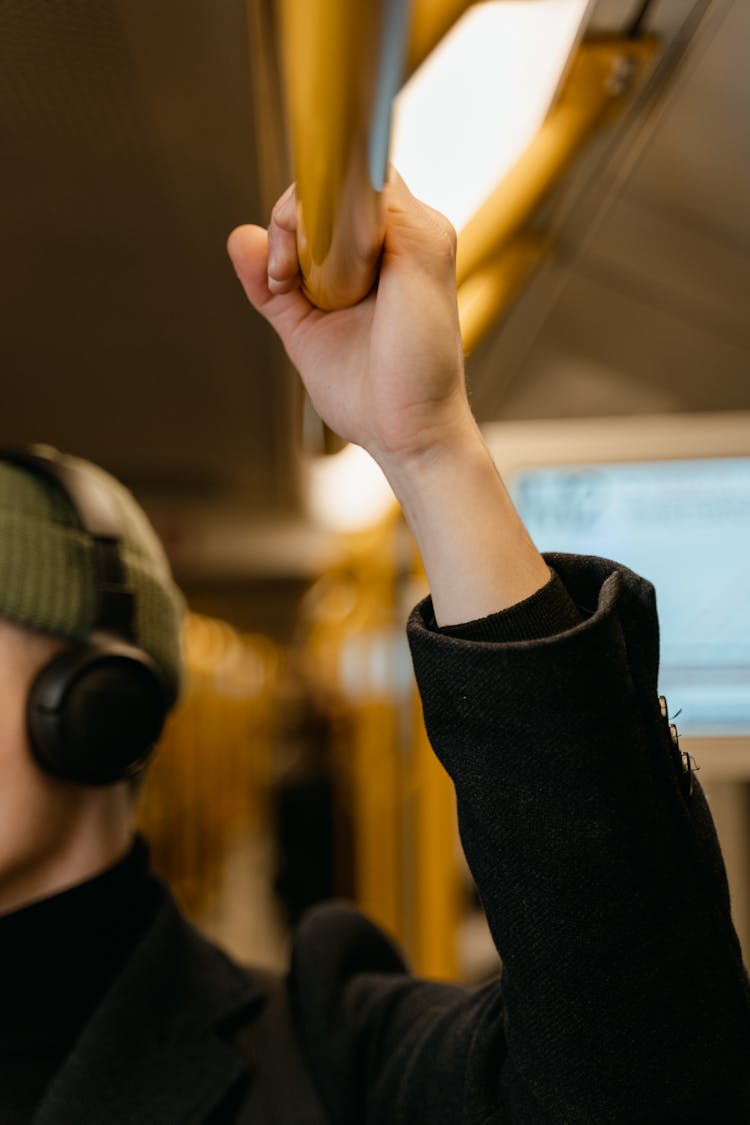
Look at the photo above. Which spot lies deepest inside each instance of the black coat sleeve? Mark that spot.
(623, 998)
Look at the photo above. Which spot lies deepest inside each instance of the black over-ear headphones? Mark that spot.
(96, 710)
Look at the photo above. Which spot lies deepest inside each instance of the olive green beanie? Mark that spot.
(47, 572)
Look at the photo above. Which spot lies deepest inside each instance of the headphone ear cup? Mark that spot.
(95, 714)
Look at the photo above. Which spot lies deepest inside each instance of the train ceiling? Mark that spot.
(129, 150)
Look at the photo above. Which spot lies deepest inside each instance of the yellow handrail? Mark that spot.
(591, 89)
(492, 286)
(430, 20)
(337, 103)
(338, 107)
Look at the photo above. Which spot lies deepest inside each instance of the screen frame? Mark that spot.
(558, 442)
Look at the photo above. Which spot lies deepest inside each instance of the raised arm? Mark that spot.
(388, 374)
(624, 997)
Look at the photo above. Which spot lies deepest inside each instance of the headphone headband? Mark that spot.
(95, 710)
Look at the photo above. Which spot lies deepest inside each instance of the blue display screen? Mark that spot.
(684, 525)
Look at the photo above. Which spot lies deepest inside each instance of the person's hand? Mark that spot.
(387, 373)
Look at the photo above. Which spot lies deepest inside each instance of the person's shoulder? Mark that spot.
(335, 940)
(342, 966)
(369, 1030)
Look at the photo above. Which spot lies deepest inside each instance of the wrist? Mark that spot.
(476, 551)
(430, 452)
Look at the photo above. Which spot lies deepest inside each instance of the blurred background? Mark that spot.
(604, 262)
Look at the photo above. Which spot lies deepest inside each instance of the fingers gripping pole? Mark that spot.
(341, 66)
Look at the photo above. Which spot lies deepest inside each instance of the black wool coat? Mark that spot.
(623, 998)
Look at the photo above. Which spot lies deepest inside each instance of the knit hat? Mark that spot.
(47, 576)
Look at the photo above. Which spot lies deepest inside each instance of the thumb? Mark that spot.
(247, 247)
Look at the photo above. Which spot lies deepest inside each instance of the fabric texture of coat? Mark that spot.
(623, 997)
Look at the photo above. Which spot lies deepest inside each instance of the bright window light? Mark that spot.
(471, 109)
(347, 491)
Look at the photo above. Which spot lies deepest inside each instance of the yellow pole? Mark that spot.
(590, 90)
(341, 66)
(436, 895)
(430, 20)
(487, 291)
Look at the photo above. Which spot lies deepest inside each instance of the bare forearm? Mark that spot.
(476, 551)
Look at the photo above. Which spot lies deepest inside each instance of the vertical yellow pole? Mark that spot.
(436, 899)
(379, 782)
(341, 65)
(378, 786)
(350, 644)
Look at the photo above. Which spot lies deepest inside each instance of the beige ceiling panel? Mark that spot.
(606, 350)
(697, 160)
(651, 251)
(128, 155)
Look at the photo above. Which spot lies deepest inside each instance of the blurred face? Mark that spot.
(52, 833)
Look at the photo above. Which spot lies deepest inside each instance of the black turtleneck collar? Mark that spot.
(58, 957)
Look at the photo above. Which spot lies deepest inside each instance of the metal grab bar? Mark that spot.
(341, 66)
(491, 287)
(430, 20)
(593, 88)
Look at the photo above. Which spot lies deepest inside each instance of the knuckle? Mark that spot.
(443, 234)
(447, 227)
(284, 208)
(452, 234)
(446, 240)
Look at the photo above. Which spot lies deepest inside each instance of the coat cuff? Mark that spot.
(549, 611)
